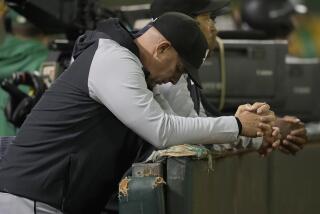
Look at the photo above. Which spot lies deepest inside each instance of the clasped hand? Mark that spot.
(259, 121)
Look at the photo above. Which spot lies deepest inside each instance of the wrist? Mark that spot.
(239, 125)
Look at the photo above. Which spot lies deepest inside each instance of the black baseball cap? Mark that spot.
(186, 38)
(189, 7)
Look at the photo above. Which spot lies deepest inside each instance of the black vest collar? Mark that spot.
(117, 32)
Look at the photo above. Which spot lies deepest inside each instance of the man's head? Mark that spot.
(166, 51)
(204, 11)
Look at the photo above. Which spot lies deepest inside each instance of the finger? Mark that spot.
(276, 132)
(270, 118)
(296, 140)
(256, 106)
(260, 134)
(288, 116)
(291, 146)
(247, 106)
(266, 128)
(291, 119)
(284, 150)
(263, 109)
(242, 108)
(299, 132)
(276, 144)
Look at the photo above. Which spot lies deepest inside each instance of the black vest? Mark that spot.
(71, 151)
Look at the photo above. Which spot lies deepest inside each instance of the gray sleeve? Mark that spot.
(178, 97)
(117, 81)
(162, 101)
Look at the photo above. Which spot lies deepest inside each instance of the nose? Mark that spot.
(212, 25)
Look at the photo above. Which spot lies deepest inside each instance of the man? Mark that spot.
(178, 96)
(79, 139)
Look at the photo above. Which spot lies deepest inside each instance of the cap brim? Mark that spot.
(221, 12)
(216, 8)
(192, 72)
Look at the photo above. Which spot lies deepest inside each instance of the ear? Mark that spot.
(161, 48)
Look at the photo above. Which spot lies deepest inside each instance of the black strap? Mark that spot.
(211, 110)
(198, 97)
(35, 207)
(239, 125)
(195, 94)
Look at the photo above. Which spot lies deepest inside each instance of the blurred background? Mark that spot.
(270, 53)
(303, 40)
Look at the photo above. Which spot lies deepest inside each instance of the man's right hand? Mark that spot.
(254, 125)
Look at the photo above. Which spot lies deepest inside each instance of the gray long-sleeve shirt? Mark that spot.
(122, 89)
